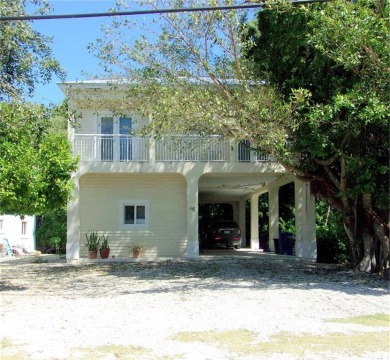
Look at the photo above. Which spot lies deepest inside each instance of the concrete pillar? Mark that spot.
(255, 222)
(73, 224)
(273, 226)
(241, 221)
(305, 221)
(192, 216)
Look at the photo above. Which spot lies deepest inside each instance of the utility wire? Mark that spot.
(149, 12)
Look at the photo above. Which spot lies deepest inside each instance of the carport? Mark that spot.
(236, 189)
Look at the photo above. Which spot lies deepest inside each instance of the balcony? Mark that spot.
(124, 148)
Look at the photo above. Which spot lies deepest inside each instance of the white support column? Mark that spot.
(305, 221)
(73, 224)
(273, 225)
(192, 216)
(255, 222)
(241, 221)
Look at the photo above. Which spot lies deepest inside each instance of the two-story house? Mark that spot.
(141, 189)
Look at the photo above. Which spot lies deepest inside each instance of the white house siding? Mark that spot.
(100, 210)
(85, 125)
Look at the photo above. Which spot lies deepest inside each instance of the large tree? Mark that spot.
(35, 162)
(322, 112)
(25, 54)
(339, 54)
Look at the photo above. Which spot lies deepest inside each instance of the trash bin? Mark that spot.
(286, 243)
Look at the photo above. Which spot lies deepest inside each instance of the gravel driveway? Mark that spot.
(247, 307)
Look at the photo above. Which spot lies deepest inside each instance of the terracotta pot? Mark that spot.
(92, 254)
(137, 253)
(104, 253)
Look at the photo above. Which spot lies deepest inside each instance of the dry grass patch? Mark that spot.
(123, 352)
(10, 351)
(368, 320)
(244, 342)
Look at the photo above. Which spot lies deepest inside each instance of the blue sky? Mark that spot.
(70, 40)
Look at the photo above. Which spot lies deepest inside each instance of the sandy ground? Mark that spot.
(211, 308)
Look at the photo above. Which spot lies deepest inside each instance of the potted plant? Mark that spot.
(104, 247)
(137, 250)
(92, 244)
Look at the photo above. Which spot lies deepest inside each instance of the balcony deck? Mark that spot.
(126, 148)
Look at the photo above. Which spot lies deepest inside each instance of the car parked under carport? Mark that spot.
(222, 233)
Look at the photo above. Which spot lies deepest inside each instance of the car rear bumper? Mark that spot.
(227, 243)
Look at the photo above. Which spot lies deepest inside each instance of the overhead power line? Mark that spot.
(149, 12)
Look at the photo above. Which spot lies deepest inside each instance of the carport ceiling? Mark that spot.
(231, 186)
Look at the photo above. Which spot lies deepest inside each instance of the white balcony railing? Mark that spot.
(193, 148)
(116, 148)
(99, 147)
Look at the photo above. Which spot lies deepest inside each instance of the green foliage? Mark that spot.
(287, 208)
(35, 162)
(335, 58)
(25, 56)
(104, 242)
(180, 75)
(263, 207)
(51, 231)
(332, 242)
(35, 165)
(93, 241)
(137, 247)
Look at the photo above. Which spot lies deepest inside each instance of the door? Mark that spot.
(107, 139)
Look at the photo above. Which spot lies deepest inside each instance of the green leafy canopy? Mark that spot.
(35, 164)
(25, 55)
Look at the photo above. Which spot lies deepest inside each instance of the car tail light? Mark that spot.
(217, 238)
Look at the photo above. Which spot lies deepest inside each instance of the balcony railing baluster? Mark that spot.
(126, 148)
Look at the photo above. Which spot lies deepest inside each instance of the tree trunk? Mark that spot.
(368, 262)
(366, 228)
(384, 246)
(349, 228)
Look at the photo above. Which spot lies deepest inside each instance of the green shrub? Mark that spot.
(51, 231)
(332, 241)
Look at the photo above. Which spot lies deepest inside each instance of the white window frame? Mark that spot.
(134, 203)
(115, 119)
